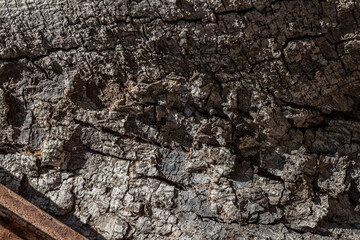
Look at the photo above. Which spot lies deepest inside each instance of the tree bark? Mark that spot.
(184, 119)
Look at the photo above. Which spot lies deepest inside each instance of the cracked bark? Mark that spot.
(184, 119)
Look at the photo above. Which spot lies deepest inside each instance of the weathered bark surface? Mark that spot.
(179, 119)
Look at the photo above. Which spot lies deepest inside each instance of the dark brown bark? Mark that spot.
(184, 119)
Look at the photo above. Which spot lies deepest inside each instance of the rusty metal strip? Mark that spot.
(6, 234)
(27, 221)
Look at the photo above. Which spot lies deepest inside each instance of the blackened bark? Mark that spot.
(184, 119)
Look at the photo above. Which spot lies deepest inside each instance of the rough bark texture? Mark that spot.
(179, 119)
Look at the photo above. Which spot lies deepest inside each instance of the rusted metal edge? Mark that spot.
(6, 234)
(27, 221)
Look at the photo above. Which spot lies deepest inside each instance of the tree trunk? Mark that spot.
(184, 119)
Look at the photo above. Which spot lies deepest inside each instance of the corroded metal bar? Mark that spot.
(6, 234)
(19, 218)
